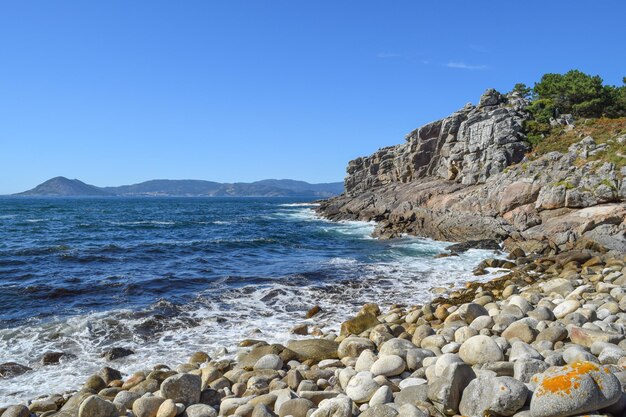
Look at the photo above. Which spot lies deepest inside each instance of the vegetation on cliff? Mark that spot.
(566, 107)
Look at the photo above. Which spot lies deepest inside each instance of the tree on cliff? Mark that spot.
(573, 92)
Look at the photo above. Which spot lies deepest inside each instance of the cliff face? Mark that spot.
(466, 177)
(469, 146)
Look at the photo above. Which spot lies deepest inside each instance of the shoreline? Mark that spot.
(435, 359)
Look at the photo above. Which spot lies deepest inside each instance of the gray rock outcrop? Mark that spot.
(467, 177)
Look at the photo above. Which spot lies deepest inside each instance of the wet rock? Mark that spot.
(314, 349)
(96, 383)
(109, 374)
(358, 324)
(11, 369)
(488, 244)
(313, 311)
(574, 389)
(300, 329)
(182, 388)
(16, 411)
(52, 358)
(199, 358)
(116, 353)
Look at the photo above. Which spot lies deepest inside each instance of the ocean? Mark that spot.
(167, 277)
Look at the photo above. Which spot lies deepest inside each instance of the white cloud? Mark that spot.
(463, 65)
(383, 55)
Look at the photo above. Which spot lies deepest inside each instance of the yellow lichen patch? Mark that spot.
(568, 379)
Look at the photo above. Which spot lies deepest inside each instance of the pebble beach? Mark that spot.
(547, 339)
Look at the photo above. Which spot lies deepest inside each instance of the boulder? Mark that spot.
(486, 396)
(362, 387)
(116, 353)
(147, 406)
(334, 407)
(95, 406)
(11, 369)
(16, 411)
(271, 361)
(379, 410)
(314, 349)
(200, 410)
(358, 324)
(297, 407)
(446, 390)
(480, 349)
(574, 389)
(388, 365)
(182, 388)
(353, 346)
(167, 409)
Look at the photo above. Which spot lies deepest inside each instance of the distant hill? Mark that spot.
(61, 186)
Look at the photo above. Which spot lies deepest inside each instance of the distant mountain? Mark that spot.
(167, 187)
(61, 186)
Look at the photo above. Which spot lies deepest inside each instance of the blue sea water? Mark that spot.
(170, 276)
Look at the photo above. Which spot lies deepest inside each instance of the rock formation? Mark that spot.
(467, 177)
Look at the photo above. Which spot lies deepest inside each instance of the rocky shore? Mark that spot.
(548, 339)
(469, 176)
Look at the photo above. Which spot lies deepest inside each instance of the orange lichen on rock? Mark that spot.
(570, 379)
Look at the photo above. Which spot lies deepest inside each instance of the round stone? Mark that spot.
(388, 365)
(147, 406)
(95, 406)
(362, 387)
(271, 361)
(480, 349)
(167, 409)
(574, 389)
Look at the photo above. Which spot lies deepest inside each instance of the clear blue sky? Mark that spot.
(118, 92)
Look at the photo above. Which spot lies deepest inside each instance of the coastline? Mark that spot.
(435, 359)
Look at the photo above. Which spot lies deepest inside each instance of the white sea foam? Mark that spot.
(224, 314)
(299, 205)
(142, 222)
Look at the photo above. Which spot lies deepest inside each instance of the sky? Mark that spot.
(118, 92)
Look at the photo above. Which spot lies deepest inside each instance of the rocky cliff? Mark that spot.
(468, 177)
